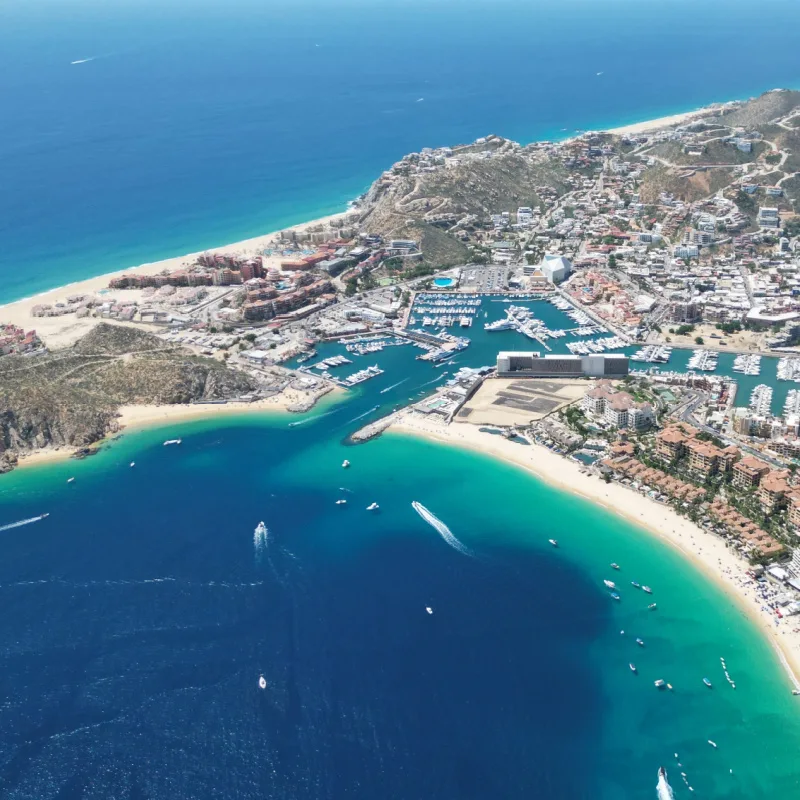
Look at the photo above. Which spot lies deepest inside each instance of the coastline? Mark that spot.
(132, 417)
(62, 330)
(649, 125)
(706, 551)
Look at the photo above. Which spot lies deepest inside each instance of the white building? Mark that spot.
(556, 268)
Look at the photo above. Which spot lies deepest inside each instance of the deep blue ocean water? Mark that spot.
(193, 126)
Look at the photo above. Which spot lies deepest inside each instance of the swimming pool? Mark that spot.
(443, 282)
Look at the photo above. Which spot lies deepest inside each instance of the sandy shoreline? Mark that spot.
(60, 331)
(705, 550)
(142, 416)
(661, 122)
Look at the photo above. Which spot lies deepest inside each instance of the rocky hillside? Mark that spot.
(426, 204)
(70, 397)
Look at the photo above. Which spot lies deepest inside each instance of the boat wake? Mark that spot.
(441, 528)
(83, 60)
(663, 789)
(21, 523)
(260, 539)
(437, 378)
(361, 416)
(393, 386)
(312, 419)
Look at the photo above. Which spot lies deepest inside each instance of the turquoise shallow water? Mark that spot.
(140, 613)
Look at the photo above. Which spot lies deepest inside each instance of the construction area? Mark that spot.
(507, 402)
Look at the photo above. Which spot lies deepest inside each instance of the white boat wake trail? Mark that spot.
(361, 416)
(21, 523)
(441, 528)
(394, 385)
(663, 789)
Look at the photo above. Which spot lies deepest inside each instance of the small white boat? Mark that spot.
(647, 589)
(659, 684)
(70, 480)
(632, 667)
(651, 606)
(429, 609)
(133, 463)
(610, 584)
(373, 507)
(614, 565)
(713, 744)
(553, 542)
(341, 502)
(262, 682)
(345, 464)
(172, 441)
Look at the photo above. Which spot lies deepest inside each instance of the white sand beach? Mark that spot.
(661, 122)
(705, 550)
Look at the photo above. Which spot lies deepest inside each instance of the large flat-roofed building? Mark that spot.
(531, 364)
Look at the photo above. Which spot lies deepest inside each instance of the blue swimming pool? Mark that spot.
(444, 282)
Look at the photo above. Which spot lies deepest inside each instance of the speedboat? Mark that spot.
(713, 744)
(614, 565)
(635, 585)
(429, 609)
(133, 463)
(632, 666)
(707, 682)
(46, 514)
(373, 507)
(640, 642)
(647, 589)
(172, 441)
(69, 480)
(262, 682)
(614, 596)
(553, 542)
(651, 606)
(659, 684)
(610, 584)
(261, 529)
(345, 464)
(341, 502)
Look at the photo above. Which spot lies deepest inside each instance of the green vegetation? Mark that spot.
(698, 340)
(350, 287)
(729, 327)
(683, 330)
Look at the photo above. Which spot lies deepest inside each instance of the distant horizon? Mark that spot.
(147, 150)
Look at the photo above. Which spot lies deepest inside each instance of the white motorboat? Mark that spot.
(133, 463)
(341, 502)
(70, 480)
(172, 441)
(373, 507)
(429, 609)
(262, 682)
(345, 464)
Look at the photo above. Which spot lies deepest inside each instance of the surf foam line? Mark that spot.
(21, 523)
(441, 528)
(393, 386)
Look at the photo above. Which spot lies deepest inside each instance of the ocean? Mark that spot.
(139, 615)
(182, 130)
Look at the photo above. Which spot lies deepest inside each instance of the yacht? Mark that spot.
(262, 682)
(373, 507)
(647, 589)
(632, 667)
(345, 464)
(707, 682)
(614, 565)
(341, 502)
(553, 542)
(659, 684)
(172, 441)
(610, 584)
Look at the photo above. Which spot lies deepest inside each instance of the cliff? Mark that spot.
(70, 397)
